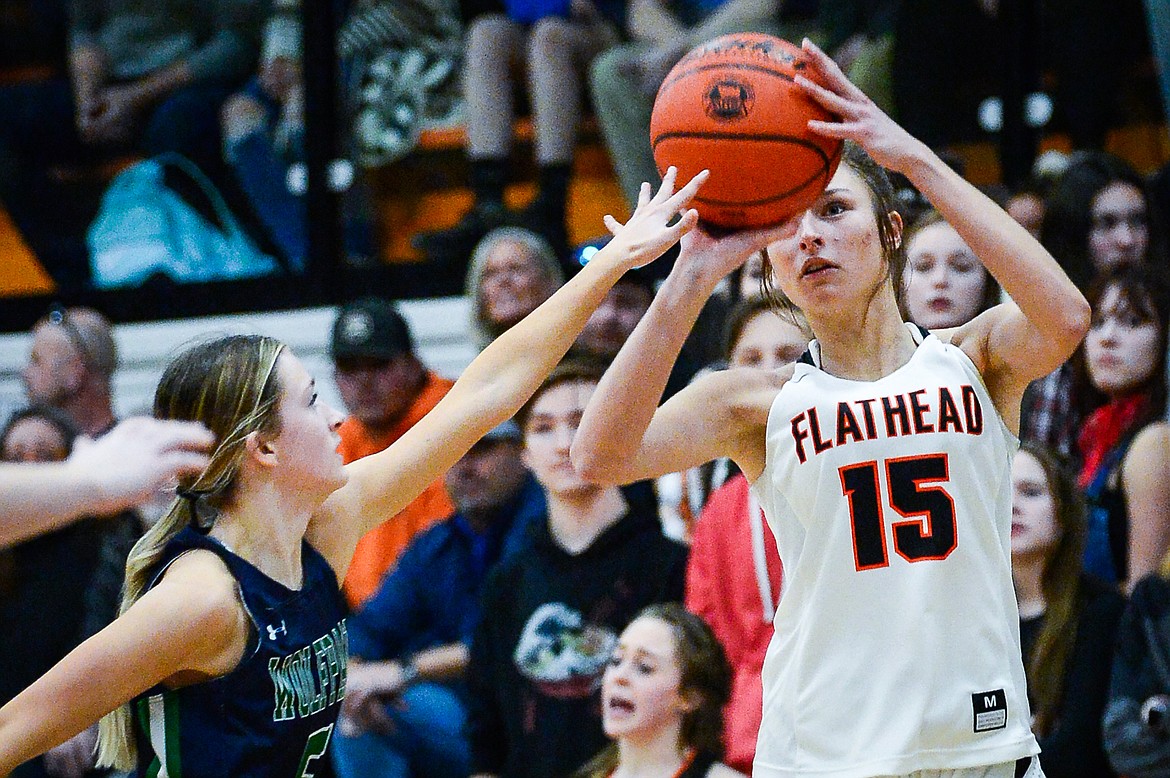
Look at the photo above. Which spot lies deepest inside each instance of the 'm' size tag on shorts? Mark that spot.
(990, 709)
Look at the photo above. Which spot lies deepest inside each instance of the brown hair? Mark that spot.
(703, 671)
(1060, 584)
(1145, 290)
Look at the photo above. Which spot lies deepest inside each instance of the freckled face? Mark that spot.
(831, 254)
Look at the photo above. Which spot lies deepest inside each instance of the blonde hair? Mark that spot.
(538, 251)
(230, 385)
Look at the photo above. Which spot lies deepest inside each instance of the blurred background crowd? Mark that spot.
(485, 616)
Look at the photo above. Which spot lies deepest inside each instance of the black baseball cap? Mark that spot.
(370, 328)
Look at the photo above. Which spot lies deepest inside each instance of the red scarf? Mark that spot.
(1104, 428)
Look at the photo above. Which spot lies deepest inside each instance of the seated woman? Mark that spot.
(662, 698)
(1123, 442)
(512, 271)
(1068, 619)
(947, 285)
(1097, 215)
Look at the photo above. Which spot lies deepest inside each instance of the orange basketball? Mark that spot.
(731, 106)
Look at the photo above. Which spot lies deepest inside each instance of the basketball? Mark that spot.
(731, 105)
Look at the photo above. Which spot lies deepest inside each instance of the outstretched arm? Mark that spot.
(623, 435)
(1011, 344)
(499, 380)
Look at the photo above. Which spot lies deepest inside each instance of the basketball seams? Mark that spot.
(758, 138)
(739, 112)
(821, 174)
(724, 66)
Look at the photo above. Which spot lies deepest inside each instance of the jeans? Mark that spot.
(427, 740)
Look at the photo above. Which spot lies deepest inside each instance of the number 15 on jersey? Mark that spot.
(915, 489)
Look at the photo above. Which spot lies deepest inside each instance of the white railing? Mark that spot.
(440, 328)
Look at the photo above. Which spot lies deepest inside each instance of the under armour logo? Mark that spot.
(274, 631)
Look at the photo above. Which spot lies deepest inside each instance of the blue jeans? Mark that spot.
(428, 739)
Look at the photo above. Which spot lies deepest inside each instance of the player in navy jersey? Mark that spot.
(881, 459)
(229, 657)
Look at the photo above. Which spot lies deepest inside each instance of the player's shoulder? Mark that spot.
(201, 584)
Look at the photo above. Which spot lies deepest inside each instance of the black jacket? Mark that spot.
(550, 622)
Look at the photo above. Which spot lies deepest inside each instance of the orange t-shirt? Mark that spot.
(379, 548)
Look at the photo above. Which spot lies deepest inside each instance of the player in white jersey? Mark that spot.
(882, 461)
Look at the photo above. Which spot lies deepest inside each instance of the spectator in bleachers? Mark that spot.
(662, 698)
(263, 129)
(625, 79)
(1068, 619)
(512, 271)
(71, 366)
(1097, 215)
(1123, 443)
(551, 43)
(406, 703)
(552, 613)
(386, 390)
(734, 571)
(945, 284)
(46, 581)
(143, 77)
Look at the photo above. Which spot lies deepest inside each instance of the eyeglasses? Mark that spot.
(58, 316)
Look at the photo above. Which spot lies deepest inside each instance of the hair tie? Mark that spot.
(192, 496)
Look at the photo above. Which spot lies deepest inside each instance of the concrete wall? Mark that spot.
(440, 328)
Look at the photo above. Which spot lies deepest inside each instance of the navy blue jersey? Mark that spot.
(273, 715)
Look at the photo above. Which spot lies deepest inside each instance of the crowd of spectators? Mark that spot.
(494, 620)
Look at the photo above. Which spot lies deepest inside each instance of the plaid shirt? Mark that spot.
(1047, 415)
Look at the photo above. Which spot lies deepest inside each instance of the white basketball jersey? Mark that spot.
(897, 641)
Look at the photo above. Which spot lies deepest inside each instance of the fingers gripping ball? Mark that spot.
(731, 105)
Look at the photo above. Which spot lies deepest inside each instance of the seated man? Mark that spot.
(143, 77)
(405, 700)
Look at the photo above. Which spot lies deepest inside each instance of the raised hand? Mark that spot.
(715, 256)
(649, 233)
(861, 120)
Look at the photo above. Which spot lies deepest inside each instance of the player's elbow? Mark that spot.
(592, 464)
(1073, 323)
